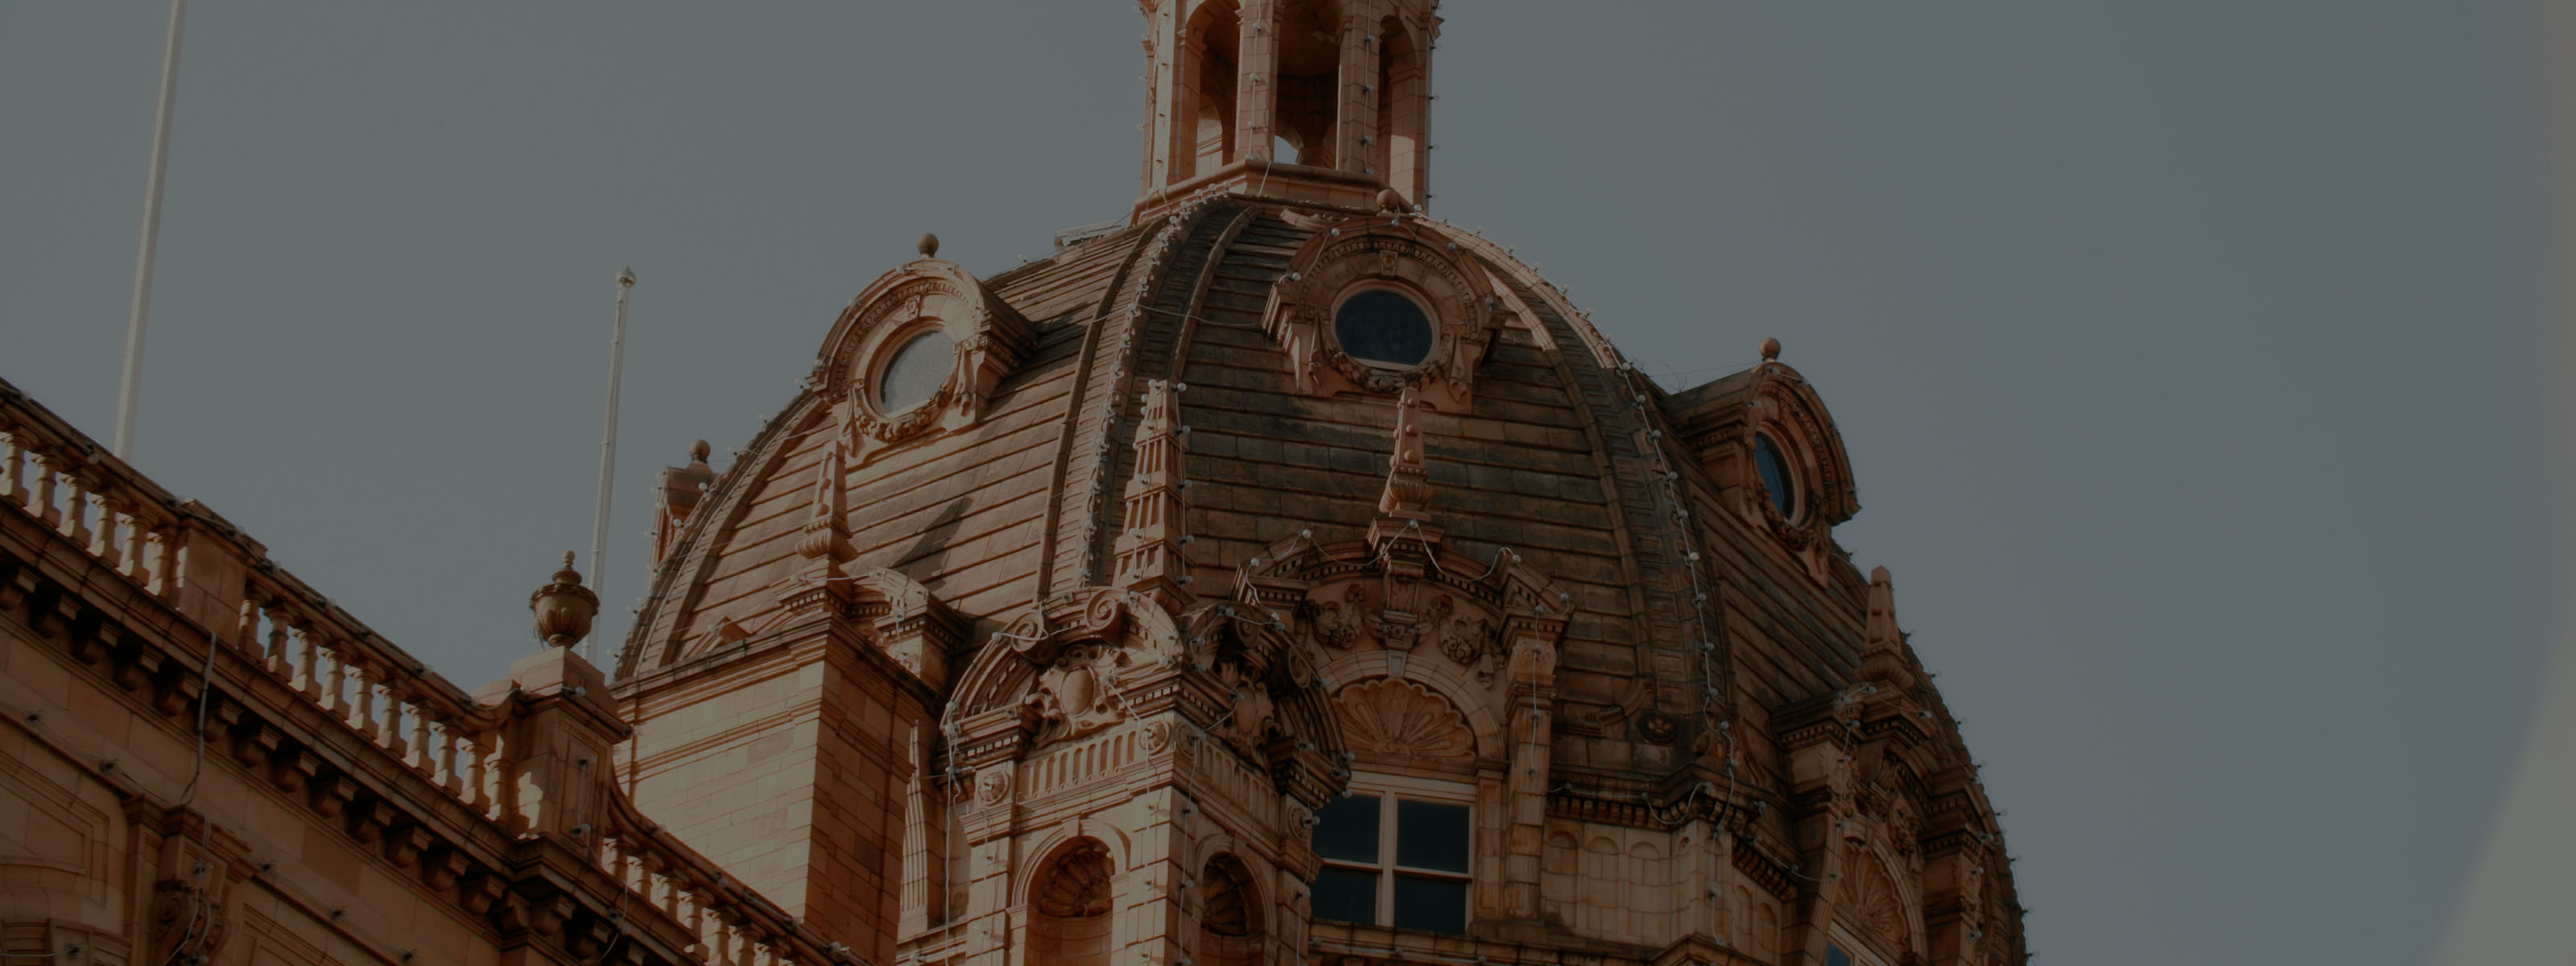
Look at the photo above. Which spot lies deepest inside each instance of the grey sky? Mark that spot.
(2189, 354)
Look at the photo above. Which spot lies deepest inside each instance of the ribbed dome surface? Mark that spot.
(1550, 464)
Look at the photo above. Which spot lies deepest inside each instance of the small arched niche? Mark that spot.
(1069, 903)
(1230, 920)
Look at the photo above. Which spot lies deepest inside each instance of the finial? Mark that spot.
(698, 451)
(1389, 199)
(564, 608)
(929, 245)
(625, 278)
(1882, 644)
(1770, 350)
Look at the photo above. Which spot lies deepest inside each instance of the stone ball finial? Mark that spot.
(564, 609)
(1770, 350)
(698, 451)
(929, 245)
(1389, 199)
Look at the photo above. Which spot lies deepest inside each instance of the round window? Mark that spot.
(915, 371)
(1384, 327)
(1774, 467)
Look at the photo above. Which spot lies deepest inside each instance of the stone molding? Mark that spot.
(1385, 250)
(924, 295)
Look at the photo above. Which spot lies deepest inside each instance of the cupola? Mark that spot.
(1319, 101)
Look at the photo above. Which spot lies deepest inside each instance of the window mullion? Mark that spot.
(1386, 861)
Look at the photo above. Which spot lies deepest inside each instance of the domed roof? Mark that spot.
(1539, 445)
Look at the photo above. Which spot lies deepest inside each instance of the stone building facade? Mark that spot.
(1282, 576)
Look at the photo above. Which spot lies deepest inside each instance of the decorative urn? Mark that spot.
(564, 608)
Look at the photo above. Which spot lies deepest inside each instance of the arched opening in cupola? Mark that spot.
(1209, 72)
(1395, 153)
(1306, 96)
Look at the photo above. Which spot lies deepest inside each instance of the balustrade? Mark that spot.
(189, 558)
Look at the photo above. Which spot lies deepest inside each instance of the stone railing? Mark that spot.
(470, 790)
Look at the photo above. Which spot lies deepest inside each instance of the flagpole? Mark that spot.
(608, 448)
(130, 388)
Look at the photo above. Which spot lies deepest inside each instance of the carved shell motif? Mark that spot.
(1869, 897)
(1402, 719)
(1076, 883)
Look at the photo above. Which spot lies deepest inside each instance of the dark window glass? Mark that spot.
(1835, 956)
(1431, 836)
(1775, 474)
(1346, 895)
(916, 372)
(1381, 326)
(1437, 905)
(1346, 829)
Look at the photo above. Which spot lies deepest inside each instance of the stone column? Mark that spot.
(1256, 89)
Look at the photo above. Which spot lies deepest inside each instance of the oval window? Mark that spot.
(915, 371)
(1384, 327)
(1774, 468)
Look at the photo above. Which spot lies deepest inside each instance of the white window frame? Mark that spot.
(1389, 789)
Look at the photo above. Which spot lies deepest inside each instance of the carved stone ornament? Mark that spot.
(926, 295)
(1055, 670)
(1341, 616)
(1788, 411)
(1400, 719)
(1079, 694)
(1411, 257)
(1251, 715)
(993, 786)
(1867, 896)
(1464, 634)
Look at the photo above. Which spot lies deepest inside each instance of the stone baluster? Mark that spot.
(45, 483)
(365, 719)
(103, 543)
(138, 534)
(13, 475)
(478, 777)
(667, 898)
(167, 536)
(422, 760)
(723, 954)
(447, 760)
(697, 919)
(505, 782)
(78, 504)
(335, 675)
(246, 630)
(280, 663)
(305, 656)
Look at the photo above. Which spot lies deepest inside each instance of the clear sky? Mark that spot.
(2189, 353)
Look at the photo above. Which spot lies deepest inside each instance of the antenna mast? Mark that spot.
(130, 388)
(608, 451)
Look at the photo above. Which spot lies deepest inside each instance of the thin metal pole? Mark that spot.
(130, 389)
(608, 452)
